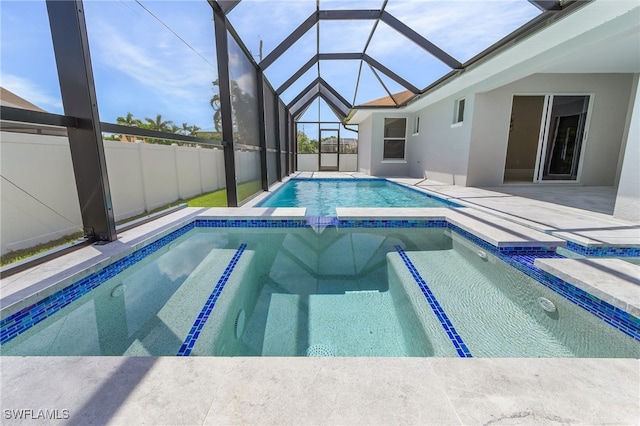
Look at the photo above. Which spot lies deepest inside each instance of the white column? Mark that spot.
(628, 197)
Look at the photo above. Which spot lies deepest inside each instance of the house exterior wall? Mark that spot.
(348, 162)
(628, 197)
(608, 106)
(440, 151)
(378, 166)
(365, 142)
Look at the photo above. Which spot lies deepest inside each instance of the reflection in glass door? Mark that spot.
(329, 149)
(564, 130)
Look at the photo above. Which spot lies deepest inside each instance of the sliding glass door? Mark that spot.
(547, 134)
(562, 138)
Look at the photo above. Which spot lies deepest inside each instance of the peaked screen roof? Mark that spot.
(356, 52)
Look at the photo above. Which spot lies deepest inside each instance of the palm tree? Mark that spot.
(193, 130)
(128, 120)
(158, 124)
(215, 104)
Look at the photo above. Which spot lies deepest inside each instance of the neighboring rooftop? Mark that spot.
(390, 101)
(10, 99)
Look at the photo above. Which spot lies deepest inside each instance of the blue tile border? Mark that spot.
(521, 258)
(19, 322)
(461, 347)
(537, 250)
(603, 251)
(203, 316)
(392, 223)
(251, 223)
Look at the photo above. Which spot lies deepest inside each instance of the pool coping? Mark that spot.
(273, 390)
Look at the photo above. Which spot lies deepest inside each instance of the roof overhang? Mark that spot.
(598, 37)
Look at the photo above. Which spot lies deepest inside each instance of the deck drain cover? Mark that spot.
(319, 350)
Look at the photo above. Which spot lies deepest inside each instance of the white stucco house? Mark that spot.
(559, 106)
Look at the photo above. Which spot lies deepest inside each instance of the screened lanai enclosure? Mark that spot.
(114, 109)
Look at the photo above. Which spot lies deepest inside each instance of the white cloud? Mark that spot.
(461, 28)
(31, 92)
(159, 65)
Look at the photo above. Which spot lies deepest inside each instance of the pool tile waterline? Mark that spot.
(520, 257)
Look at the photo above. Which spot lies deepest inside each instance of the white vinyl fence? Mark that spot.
(309, 162)
(39, 201)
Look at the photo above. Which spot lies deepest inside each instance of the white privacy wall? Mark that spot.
(309, 162)
(142, 177)
(38, 196)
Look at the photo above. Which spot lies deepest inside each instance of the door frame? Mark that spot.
(543, 135)
(337, 153)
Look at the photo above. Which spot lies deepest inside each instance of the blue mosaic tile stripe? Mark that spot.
(455, 338)
(343, 179)
(23, 320)
(251, 223)
(391, 223)
(603, 251)
(203, 316)
(537, 251)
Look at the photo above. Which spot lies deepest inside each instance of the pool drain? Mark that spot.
(319, 350)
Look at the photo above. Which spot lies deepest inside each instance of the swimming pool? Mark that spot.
(281, 288)
(322, 196)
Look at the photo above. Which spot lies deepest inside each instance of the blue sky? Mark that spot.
(142, 67)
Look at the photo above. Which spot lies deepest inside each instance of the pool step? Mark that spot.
(177, 315)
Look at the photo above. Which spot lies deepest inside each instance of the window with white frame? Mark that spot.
(458, 113)
(395, 136)
(416, 125)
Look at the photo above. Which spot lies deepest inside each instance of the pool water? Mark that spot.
(339, 292)
(322, 196)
